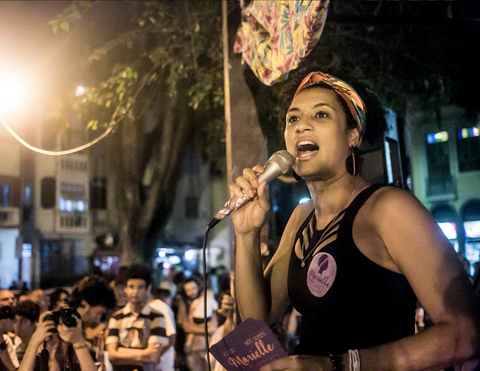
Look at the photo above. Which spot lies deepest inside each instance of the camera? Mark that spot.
(6, 312)
(66, 315)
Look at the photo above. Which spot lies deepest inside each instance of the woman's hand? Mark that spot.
(299, 363)
(252, 215)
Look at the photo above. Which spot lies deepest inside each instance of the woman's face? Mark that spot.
(316, 134)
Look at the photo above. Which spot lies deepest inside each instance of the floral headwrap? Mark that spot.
(354, 102)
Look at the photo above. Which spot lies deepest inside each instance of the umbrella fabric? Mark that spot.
(275, 36)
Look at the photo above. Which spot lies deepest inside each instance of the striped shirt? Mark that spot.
(137, 331)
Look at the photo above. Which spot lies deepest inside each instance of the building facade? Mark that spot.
(444, 146)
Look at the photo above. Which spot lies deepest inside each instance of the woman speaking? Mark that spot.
(355, 258)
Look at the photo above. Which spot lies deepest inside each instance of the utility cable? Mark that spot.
(110, 127)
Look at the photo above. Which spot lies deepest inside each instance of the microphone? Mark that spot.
(278, 164)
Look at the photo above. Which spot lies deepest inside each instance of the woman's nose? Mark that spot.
(303, 125)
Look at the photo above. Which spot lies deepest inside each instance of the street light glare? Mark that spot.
(80, 91)
(12, 93)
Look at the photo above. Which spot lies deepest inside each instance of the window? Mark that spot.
(438, 157)
(98, 194)
(468, 149)
(47, 195)
(4, 195)
(440, 180)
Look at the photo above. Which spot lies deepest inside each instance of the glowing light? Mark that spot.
(174, 259)
(468, 132)
(161, 254)
(68, 205)
(449, 230)
(81, 206)
(80, 91)
(190, 255)
(306, 199)
(472, 229)
(12, 92)
(61, 204)
(441, 136)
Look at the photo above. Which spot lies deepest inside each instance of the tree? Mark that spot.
(169, 56)
(165, 65)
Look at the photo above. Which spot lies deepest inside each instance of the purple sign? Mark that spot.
(249, 346)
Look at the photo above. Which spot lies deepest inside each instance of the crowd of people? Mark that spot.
(129, 323)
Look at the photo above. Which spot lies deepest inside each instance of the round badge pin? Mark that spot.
(321, 274)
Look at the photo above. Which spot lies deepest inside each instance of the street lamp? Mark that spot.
(12, 92)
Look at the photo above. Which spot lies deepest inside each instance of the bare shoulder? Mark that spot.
(406, 229)
(390, 203)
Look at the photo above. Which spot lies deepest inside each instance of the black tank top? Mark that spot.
(360, 306)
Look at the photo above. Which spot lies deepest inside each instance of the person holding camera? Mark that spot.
(8, 358)
(91, 297)
(27, 314)
(55, 332)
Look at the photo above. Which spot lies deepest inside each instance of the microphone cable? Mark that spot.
(205, 304)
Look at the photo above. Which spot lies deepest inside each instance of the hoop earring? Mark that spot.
(351, 163)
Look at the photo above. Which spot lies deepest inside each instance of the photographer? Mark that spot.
(67, 338)
(8, 358)
(92, 297)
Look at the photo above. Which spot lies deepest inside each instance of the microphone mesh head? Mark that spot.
(283, 159)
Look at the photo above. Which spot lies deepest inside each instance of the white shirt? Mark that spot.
(11, 350)
(167, 361)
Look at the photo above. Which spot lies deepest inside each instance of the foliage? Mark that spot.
(167, 43)
(166, 61)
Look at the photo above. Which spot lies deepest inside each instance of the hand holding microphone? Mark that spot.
(246, 188)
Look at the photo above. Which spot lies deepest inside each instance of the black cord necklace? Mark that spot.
(326, 231)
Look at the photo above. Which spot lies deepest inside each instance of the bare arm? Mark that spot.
(74, 335)
(42, 331)
(422, 253)
(268, 290)
(260, 296)
(199, 328)
(128, 356)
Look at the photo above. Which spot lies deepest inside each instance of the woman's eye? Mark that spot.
(292, 119)
(321, 114)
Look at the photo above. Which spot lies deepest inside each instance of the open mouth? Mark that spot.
(306, 148)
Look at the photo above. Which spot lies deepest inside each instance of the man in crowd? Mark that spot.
(136, 334)
(191, 318)
(91, 297)
(26, 318)
(160, 303)
(7, 298)
(8, 358)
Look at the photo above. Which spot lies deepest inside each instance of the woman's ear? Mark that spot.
(355, 138)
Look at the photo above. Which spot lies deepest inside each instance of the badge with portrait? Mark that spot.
(249, 346)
